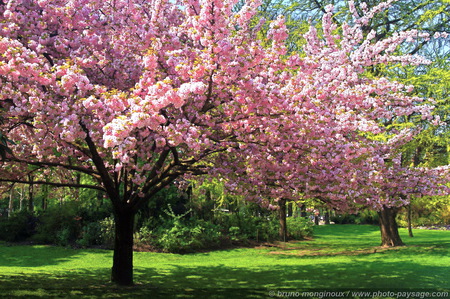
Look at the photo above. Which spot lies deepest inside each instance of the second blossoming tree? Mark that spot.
(331, 143)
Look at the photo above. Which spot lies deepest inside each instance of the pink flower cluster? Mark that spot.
(149, 91)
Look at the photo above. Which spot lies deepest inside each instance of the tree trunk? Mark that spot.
(303, 211)
(122, 269)
(30, 195)
(290, 209)
(410, 232)
(22, 197)
(282, 217)
(44, 197)
(327, 217)
(389, 229)
(11, 202)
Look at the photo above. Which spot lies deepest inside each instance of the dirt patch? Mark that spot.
(322, 252)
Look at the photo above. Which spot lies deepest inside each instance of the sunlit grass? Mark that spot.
(340, 257)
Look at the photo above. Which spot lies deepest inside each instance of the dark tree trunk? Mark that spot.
(11, 202)
(327, 217)
(282, 218)
(389, 229)
(303, 211)
(44, 197)
(410, 232)
(22, 198)
(289, 209)
(30, 195)
(122, 269)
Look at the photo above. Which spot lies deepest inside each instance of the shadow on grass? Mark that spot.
(224, 282)
(35, 256)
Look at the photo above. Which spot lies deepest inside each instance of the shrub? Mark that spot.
(107, 232)
(179, 238)
(262, 229)
(177, 234)
(344, 219)
(244, 225)
(91, 234)
(299, 228)
(367, 217)
(18, 227)
(60, 219)
(235, 233)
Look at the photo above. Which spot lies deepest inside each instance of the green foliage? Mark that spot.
(91, 234)
(363, 217)
(107, 228)
(427, 211)
(189, 237)
(71, 224)
(234, 233)
(180, 235)
(58, 225)
(18, 227)
(248, 224)
(299, 228)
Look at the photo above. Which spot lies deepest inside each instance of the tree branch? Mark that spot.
(107, 181)
(55, 164)
(53, 184)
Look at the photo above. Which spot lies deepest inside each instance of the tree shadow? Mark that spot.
(34, 256)
(223, 281)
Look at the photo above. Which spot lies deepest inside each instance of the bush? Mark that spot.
(267, 229)
(91, 234)
(187, 237)
(367, 217)
(363, 217)
(344, 219)
(235, 233)
(58, 225)
(299, 228)
(177, 234)
(18, 227)
(107, 232)
(243, 225)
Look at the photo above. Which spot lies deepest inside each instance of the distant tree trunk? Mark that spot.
(100, 198)
(416, 162)
(316, 219)
(44, 197)
(410, 232)
(388, 227)
(282, 218)
(22, 197)
(76, 192)
(11, 202)
(122, 269)
(303, 211)
(327, 217)
(289, 209)
(30, 194)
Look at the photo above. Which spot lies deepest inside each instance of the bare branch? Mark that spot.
(27, 182)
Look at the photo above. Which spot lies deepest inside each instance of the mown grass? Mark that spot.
(339, 258)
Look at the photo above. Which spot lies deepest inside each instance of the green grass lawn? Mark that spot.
(339, 258)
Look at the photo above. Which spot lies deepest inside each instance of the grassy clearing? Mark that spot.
(341, 257)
